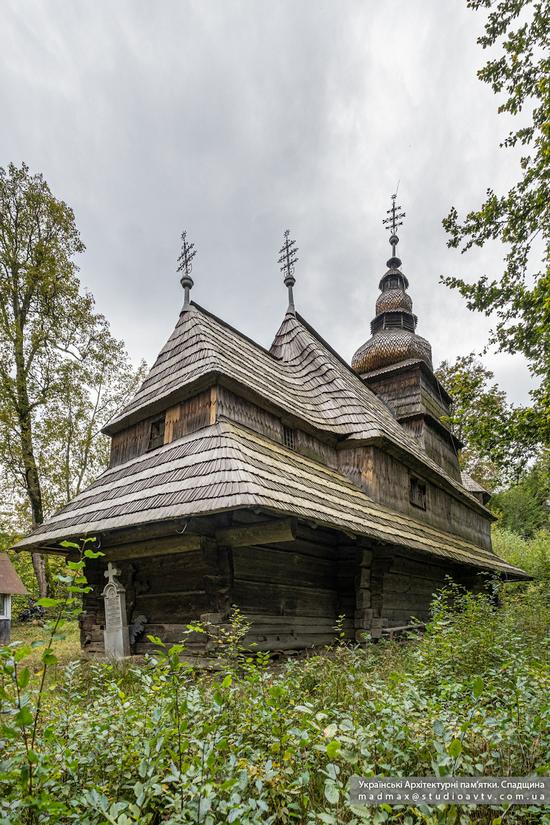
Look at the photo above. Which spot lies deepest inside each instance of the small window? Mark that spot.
(4, 606)
(417, 492)
(156, 433)
(289, 439)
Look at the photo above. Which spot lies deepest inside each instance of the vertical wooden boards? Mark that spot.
(245, 412)
(130, 443)
(194, 414)
(386, 479)
(173, 416)
(180, 419)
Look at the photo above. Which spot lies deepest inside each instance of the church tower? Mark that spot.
(396, 363)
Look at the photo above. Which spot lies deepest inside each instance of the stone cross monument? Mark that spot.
(117, 642)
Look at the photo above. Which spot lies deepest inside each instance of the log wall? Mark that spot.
(394, 587)
(169, 591)
(292, 592)
(386, 479)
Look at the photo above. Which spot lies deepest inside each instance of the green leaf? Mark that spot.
(47, 602)
(93, 554)
(455, 748)
(227, 681)
(478, 686)
(333, 748)
(68, 544)
(332, 794)
(23, 718)
(49, 658)
(23, 678)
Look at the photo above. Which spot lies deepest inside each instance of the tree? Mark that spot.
(524, 508)
(520, 218)
(498, 437)
(54, 351)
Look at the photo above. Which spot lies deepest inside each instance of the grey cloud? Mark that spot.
(238, 119)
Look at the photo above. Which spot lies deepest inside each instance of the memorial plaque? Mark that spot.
(117, 642)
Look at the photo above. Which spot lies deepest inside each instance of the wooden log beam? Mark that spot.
(153, 547)
(262, 532)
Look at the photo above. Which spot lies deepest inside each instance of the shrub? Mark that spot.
(161, 742)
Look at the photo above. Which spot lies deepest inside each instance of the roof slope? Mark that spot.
(9, 580)
(472, 485)
(327, 376)
(301, 375)
(201, 344)
(227, 466)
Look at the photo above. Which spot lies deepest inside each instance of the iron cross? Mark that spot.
(185, 262)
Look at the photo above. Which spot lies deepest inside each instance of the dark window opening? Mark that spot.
(417, 493)
(156, 433)
(289, 438)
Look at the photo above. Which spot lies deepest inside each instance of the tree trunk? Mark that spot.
(41, 573)
(32, 479)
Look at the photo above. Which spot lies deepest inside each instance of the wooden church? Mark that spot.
(282, 481)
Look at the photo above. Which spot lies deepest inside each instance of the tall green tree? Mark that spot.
(55, 352)
(499, 439)
(524, 508)
(518, 34)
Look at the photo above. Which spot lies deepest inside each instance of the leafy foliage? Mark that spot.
(524, 508)
(163, 742)
(62, 374)
(532, 554)
(520, 219)
(499, 437)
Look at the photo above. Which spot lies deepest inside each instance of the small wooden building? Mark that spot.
(10, 585)
(282, 481)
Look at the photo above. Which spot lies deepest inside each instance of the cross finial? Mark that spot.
(288, 256)
(185, 262)
(394, 219)
(111, 572)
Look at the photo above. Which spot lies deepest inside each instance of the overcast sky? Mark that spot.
(237, 119)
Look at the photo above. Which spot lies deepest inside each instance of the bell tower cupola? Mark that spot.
(396, 362)
(393, 328)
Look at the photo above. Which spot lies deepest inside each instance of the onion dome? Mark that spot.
(393, 329)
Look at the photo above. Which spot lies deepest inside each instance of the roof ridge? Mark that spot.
(361, 392)
(231, 328)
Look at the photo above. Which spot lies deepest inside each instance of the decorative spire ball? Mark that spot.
(288, 256)
(185, 260)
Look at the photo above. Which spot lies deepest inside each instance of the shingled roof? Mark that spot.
(301, 375)
(10, 582)
(226, 466)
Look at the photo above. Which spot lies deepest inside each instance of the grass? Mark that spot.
(67, 649)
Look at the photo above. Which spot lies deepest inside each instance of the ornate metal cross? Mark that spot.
(288, 256)
(185, 262)
(394, 220)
